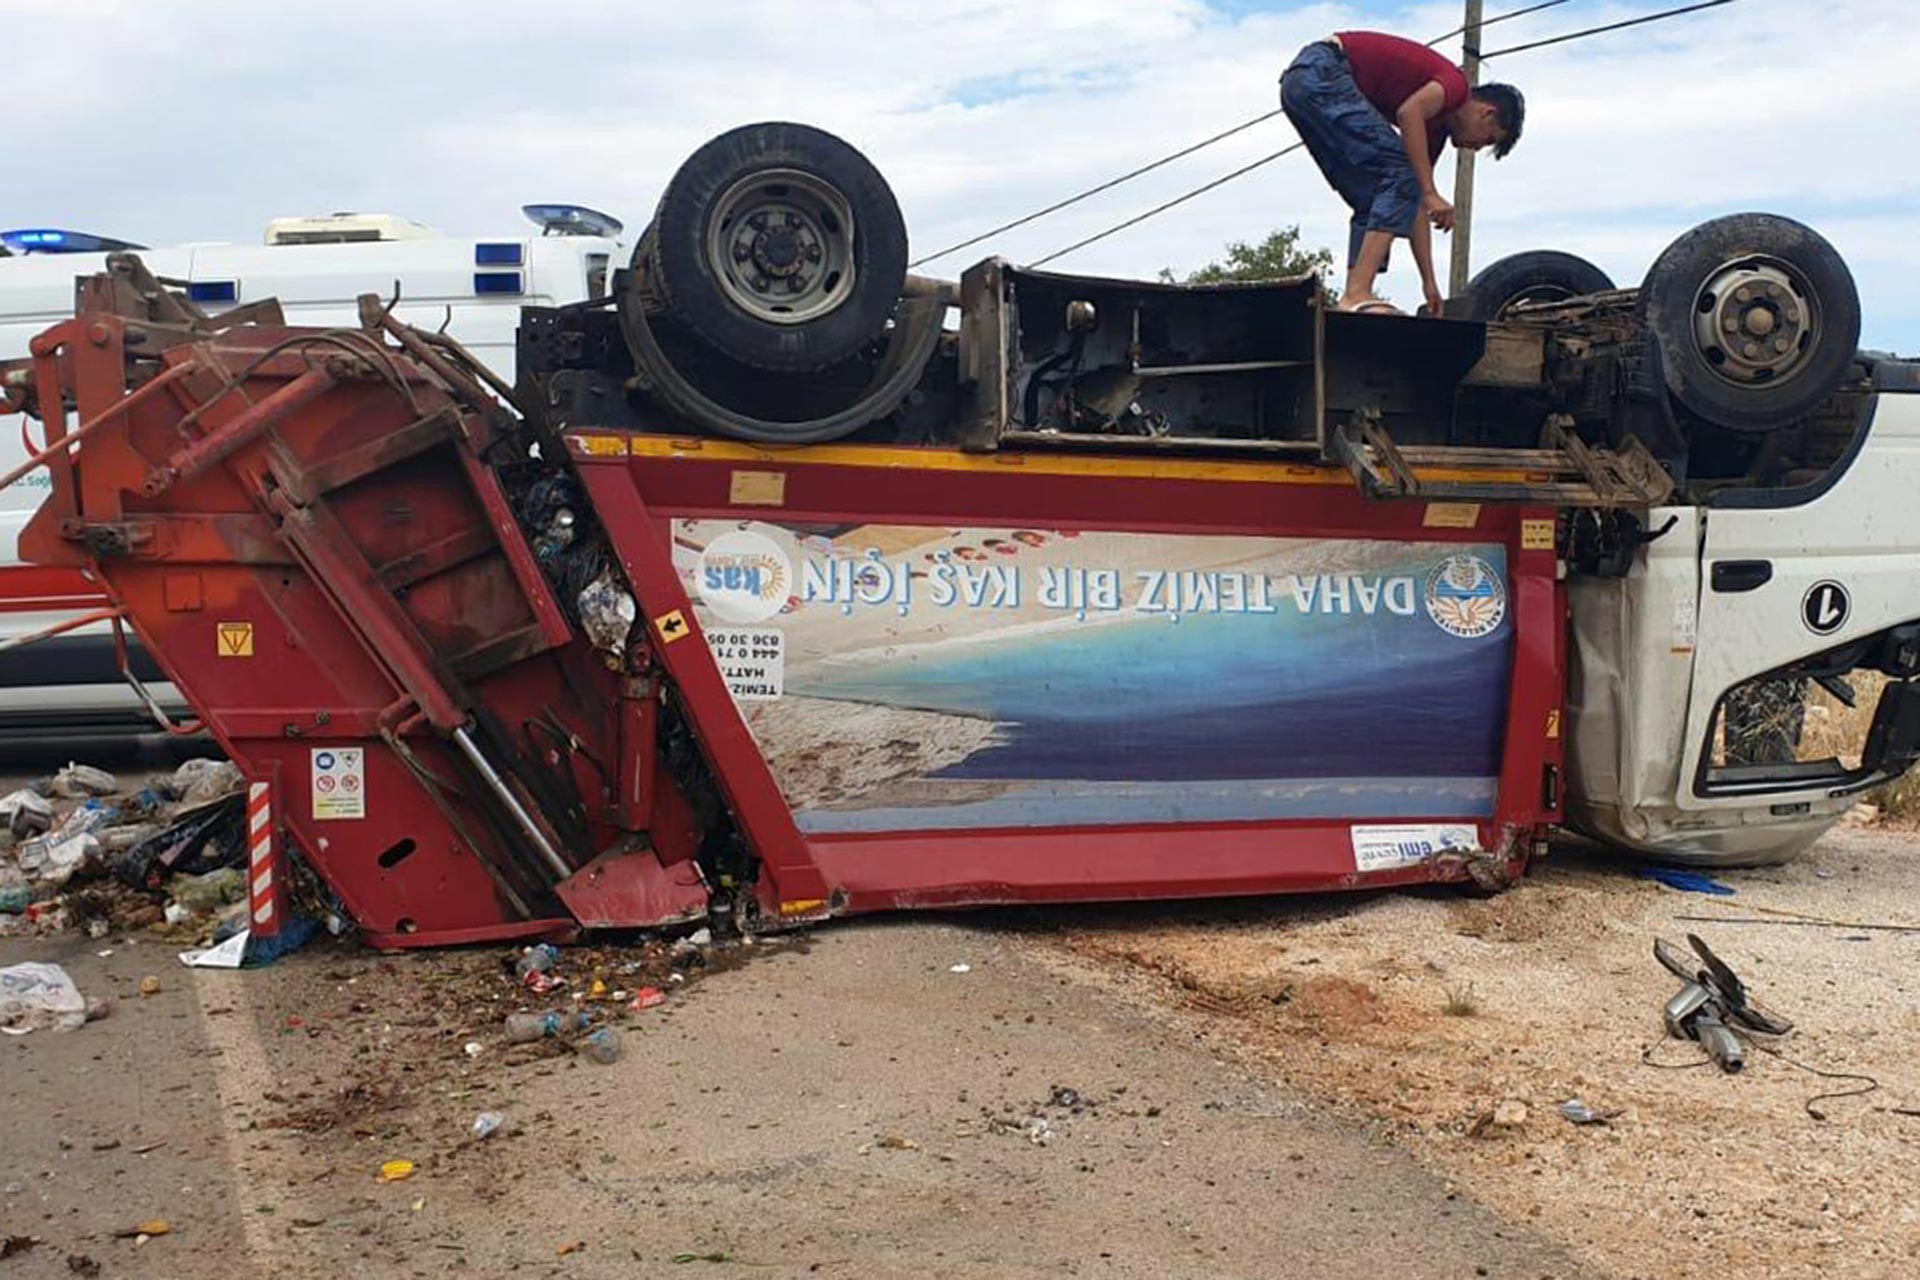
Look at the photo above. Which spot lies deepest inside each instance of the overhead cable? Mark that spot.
(1244, 170)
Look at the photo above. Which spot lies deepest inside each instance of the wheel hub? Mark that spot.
(1755, 321)
(781, 244)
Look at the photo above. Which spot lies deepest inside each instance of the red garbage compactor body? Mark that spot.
(861, 677)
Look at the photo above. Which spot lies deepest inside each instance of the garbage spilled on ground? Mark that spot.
(88, 852)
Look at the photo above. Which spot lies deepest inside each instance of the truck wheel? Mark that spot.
(1757, 319)
(779, 246)
(1541, 275)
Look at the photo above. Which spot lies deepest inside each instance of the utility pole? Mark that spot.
(1463, 165)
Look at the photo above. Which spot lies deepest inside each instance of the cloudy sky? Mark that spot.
(201, 119)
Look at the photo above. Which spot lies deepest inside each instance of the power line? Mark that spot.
(1615, 26)
(1159, 209)
(1094, 191)
(1501, 17)
(1241, 172)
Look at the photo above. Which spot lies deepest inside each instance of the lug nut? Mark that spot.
(1751, 350)
(1728, 323)
(1781, 345)
(1743, 294)
(795, 284)
(813, 253)
(759, 284)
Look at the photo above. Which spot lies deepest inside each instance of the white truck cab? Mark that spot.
(470, 287)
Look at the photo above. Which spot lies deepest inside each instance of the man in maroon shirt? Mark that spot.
(1375, 111)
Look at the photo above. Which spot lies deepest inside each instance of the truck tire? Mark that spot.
(1757, 319)
(1540, 275)
(779, 246)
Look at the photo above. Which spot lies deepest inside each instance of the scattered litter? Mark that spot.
(693, 943)
(176, 914)
(1576, 1110)
(603, 1046)
(522, 1027)
(26, 812)
(488, 1123)
(474, 1048)
(395, 1171)
(571, 1246)
(224, 955)
(962, 967)
(39, 997)
(209, 892)
(78, 781)
(1687, 881)
(16, 893)
(541, 957)
(150, 985)
(198, 782)
(146, 1230)
(607, 614)
(648, 998)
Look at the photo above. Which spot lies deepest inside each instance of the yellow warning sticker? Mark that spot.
(671, 626)
(233, 639)
(1553, 723)
(1451, 515)
(1536, 535)
(758, 488)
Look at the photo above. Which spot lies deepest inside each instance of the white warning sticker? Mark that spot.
(753, 661)
(1384, 848)
(339, 782)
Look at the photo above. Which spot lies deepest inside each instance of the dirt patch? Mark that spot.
(1425, 1012)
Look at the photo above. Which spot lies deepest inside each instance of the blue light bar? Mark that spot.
(52, 240)
(497, 255)
(497, 282)
(573, 220)
(213, 291)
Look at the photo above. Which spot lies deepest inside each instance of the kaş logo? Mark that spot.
(744, 576)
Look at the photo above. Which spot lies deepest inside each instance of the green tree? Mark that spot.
(1279, 255)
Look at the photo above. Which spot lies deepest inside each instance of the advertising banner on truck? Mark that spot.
(905, 677)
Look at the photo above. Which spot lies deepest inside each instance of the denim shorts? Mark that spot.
(1360, 153)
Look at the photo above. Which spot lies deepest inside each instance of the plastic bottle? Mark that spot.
(539, 958)
(603, 1046)
(522, 1027)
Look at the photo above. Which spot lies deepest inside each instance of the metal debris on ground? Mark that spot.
(488, 1123)
(1577, 1111)
(1713, 1008)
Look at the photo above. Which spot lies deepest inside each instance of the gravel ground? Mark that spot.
(1555, 995)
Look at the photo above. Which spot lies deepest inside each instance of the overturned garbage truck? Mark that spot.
(784, 584)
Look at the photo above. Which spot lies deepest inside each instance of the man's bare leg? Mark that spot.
(1366, 269)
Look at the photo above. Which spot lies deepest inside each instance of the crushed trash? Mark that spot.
(602, 1046)
(26, 812)
(39, 997)
(648, 998)
(395, 1171)
(607, 613)
(488, 1123)
(228, 954)
(962, 967)
(78, 781)
(523, 1027)
(209, 892)
(150, 985)
(198, 782)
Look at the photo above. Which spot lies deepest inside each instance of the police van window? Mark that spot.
(596, 275)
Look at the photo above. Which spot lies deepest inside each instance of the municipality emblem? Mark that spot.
(1465, 597)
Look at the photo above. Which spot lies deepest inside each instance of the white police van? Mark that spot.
(472, 288)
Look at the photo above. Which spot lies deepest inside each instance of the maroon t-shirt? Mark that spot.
(1388, 70)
